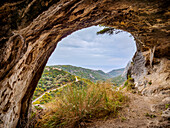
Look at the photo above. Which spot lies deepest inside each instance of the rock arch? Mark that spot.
(30, 30)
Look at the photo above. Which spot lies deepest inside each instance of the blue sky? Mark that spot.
(86, 49)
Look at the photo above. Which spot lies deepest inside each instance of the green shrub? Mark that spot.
(166, 106)
(129, 84)
(38, 107)
(36, 102)
(150, 82)
(123, 119)
(33, 114)
(150, 115)
(126, 83)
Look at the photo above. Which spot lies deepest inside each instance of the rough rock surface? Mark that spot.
(31, 29)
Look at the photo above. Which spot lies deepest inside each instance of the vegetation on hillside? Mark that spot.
(49, 96)
(90, 74)
(118, 81)
(93, 75)
(80, 102)
(52, 78)
(116, 72)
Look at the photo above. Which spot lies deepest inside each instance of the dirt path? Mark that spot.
(137, 114)
(48, 92)
(53, 90)
(76, 78)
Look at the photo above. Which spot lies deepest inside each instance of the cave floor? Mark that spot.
(136, 114)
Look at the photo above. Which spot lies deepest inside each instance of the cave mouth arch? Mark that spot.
(30, 31)
(71, 44)
(99, 57)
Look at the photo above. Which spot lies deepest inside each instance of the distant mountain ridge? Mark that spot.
(116, 72)
(91, 74)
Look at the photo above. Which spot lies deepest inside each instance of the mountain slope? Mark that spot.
(52, 78)
(116, 72)
(57, 76)
(84, 73)
(91, 74)
(118, 80)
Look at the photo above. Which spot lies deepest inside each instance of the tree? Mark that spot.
(108, 30)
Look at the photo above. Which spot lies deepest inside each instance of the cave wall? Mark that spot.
(31, 29)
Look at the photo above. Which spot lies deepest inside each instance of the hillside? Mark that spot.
(116, 72)
(93, 75)
(118, 80)
(52, 78)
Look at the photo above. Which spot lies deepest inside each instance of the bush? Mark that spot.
(36, 102)
(38, 107)
(126, 83)
(129, 84)
(33, 114)
(167, 106)
(79, 104)
(150, 82)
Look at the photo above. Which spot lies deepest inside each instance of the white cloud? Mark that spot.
(85, 48)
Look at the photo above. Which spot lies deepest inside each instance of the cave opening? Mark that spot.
(86, 49)
(85, 55)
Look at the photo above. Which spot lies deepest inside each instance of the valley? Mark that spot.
(90, 74)
(54, 78)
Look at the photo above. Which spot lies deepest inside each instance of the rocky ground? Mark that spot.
(138, 114)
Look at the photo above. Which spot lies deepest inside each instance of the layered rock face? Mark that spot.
(31, 29)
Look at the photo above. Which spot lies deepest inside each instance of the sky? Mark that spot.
(84, 48)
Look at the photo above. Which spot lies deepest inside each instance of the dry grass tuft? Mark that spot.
(80, 104)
